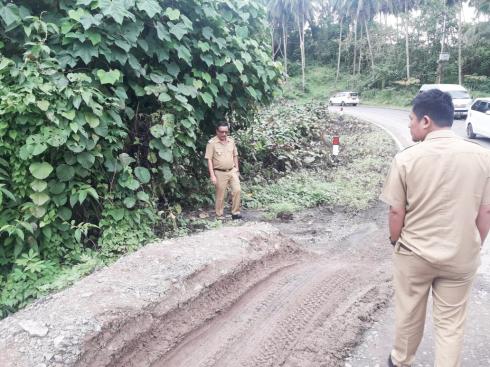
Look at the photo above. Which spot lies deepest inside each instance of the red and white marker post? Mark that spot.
(335, 145)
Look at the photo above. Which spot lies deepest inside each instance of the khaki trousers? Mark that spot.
(223, 179)
(414, 278)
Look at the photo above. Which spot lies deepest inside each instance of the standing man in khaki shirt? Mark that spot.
(439, 197)
(222, 157)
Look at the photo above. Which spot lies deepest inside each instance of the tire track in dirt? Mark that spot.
(268, 324)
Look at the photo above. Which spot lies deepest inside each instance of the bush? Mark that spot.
(105, 107)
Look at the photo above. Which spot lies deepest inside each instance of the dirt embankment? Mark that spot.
(296, 293)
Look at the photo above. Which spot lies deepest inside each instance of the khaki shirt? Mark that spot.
(441, 182)
(221, 154)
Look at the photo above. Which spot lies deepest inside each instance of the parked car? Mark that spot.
(478, 119)
(345, 98)
(459, 94)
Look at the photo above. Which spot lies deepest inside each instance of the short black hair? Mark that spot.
(437, 105)
(222, 124)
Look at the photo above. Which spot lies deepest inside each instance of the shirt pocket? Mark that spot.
(219, 150)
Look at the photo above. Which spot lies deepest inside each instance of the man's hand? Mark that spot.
(214, 180)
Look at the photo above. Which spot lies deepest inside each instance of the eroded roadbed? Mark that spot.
(288, 294)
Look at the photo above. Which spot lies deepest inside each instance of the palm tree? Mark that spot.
(302, 11)
(279, 11)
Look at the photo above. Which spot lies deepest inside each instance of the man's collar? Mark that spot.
(440, 133)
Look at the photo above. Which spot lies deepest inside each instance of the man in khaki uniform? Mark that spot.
(222, 157)
(439, 197)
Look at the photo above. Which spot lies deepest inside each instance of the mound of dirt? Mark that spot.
(106, 318)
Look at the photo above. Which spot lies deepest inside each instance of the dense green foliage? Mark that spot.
(376, 35)
(104, 110)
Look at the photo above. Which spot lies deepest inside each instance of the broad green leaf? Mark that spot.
(204, 46)
(40, 170)
(238, 65)
(92, 120)
(157, 131)
(167, 173)
(70, 115)
(38, 185)
(65, 172)
(115, 9)
(151, 7)
(129, 202)
(86, 159)
(38, 211)
(132, 184)
(179, 30)
(162, 32)
(126, 159)
(208, 59)
(164, 97)
(76, 14)
(56, 188)
(95, 38)
(207, 98)
(43, 105)
(172, 14)
(108, 77)
(10, 14)
(117, 214)
(241, 31)
(65, 213)
(166, 155)
(143, 174)
(143, 196)
(207, 33)
(39, 198)
(184, 54)
(173, 69)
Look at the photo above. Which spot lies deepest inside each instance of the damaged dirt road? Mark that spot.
(310, 311)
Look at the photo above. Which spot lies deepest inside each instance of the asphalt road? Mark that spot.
(376, 345)
(395, 121)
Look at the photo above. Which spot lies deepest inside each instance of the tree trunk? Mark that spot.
(355, 48)
(285, 46)
(360, 51)
(440, 64)
(407, 53)
(460, 61)
(272, 40)
(369, 44)
(340, 49)
(301, 31)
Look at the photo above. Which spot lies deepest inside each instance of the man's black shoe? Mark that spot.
(236, 216)
(390, 362)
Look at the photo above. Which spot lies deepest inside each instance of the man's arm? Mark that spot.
(396, 219)
(483, 221)
(211, 171)
(235, 161)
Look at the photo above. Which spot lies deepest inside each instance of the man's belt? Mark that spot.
(223, 170)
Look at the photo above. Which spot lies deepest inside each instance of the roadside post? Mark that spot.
(335, 147)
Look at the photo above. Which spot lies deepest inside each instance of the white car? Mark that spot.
(345, 98)
(478, 119)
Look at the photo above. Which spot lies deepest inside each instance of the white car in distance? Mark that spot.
(345, 98)
(478, 119)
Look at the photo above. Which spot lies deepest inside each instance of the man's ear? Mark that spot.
(426, 122)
